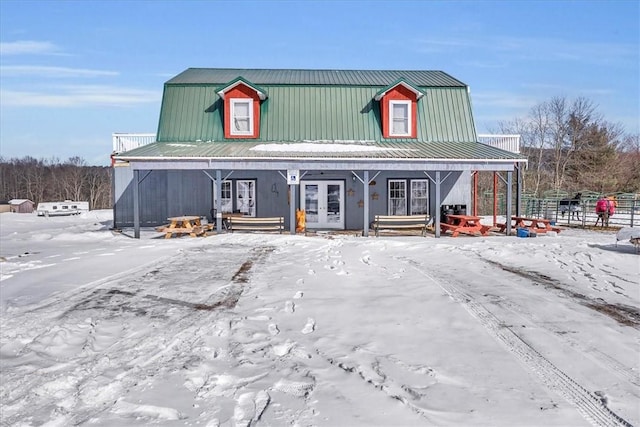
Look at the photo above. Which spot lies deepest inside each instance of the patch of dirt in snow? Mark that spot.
(623, 314)
(95, 352)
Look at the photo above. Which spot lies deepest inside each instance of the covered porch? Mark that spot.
(363, 175)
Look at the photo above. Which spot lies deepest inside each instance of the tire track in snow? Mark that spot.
(589, 405)
(625, 315)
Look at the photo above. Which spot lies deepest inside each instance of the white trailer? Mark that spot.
(67, 207)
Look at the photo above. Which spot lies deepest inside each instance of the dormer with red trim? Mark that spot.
(241, 109)
(399, 109)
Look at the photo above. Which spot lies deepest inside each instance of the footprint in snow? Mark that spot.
(309, 327)
(283, 349)
(273, 329)
(300, 282)
(298, 295)
(250, 407)
(289, 307)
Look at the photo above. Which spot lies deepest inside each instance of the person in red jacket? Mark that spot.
(604, 208)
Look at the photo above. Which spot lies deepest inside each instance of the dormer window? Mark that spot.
(399, 109)
(400, 118)
(241, 108)
(241, 116)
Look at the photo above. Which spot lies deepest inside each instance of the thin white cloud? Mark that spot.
(52, 72)
(564, 88)
(522, 48)
(28, 47)
(79, 96)
(506, 100)
(566, 50)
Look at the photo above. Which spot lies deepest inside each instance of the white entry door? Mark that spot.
(323, 202)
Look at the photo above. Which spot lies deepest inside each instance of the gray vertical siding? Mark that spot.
(190, 192)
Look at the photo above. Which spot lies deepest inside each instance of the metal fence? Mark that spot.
(627, 211)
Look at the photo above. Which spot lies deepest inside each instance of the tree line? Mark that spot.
(571, 147)
(41, 180)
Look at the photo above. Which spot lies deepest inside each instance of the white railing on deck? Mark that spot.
(128, 141)
(504, 142)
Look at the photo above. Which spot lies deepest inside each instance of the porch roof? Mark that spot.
(322, 154)
(321, 150)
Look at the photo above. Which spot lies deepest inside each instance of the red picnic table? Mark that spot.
(467, 224)
(539, 225)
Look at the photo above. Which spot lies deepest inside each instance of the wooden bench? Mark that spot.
(248, 223)
(401, 222)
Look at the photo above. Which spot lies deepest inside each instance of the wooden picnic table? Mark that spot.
(467, 224)
(190, 225)
(539, 225)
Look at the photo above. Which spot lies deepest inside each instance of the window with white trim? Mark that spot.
(397, 197)
(246, 196)
(400, 118)
(419, 196)
(241, 116)
(227, 196)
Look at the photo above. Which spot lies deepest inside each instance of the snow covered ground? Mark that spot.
(329, 330)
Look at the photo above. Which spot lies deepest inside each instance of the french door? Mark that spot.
(323, 202)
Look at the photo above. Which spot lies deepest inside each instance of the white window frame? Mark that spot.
(247, 207)
(227, 196)
(232, 118)
(413, 197)
(392, 117)
(392, 208)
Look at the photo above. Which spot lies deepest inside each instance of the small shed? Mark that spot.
(21, 205)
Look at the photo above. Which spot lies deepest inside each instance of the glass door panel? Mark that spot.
(310, 198)
(334, 205)
(323, 203)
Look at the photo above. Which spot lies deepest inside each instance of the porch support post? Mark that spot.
(519, 189)
(438, 204)
(495, 197)
(508, 202)
(365, 182)
(136, 203)
(113, 194)
(218, 202)
(292, 209)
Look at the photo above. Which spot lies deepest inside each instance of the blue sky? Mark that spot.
(74, 72)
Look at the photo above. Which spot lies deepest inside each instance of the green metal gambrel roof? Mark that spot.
(316, 114)
(314, 105)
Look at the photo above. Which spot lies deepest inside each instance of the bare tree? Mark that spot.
(74, 178)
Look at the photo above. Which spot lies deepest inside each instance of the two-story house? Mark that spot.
(344, 145)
